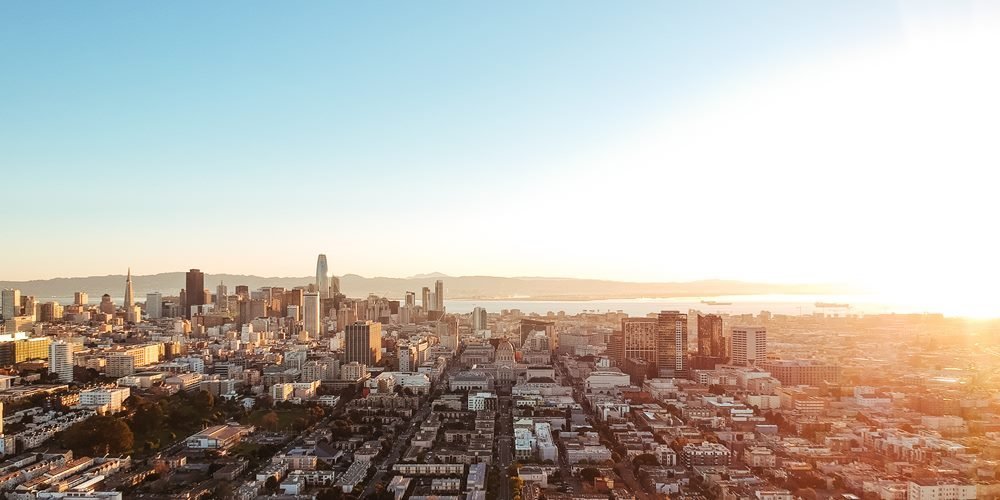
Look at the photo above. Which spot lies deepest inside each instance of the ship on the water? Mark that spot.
(833, 304)
(715, 303)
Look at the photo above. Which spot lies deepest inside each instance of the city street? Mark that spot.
(384, 466)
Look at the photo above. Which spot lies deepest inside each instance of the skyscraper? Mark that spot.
(671, 344)
(749, 345)
(80, 298)
(478, 319)
(154, 305)
(425, 299)
(528, 325)
(310, 314)
(221, 297)
(439, 295)
(195, 289)
(106, 306)
(710, 339)
(363, 343)
(638, 340)
(129, 295)
(11, 299)
(61, 360)
(411, 299)
(322, 277)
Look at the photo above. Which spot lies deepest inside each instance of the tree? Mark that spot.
(269, 421)
(644, 459)
(271, 484)
(589, 474)
(203, 401)
(99, 435)
(330, 494)
(147, 418)
(224, 491)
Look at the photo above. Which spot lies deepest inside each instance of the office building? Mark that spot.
(411, 300)
(154, 305)
(749, 345)
(11, 298)
(50, 311)
(310, 314)
(638, 338)
(221, 297)
(711, 341)
(671, 344)
(478, 319)
(61, 360)
(322, 277)
(439, 296)
(363, 343)
(425, 299)
(195, 291)
(80, 298)
(106, 306)
(528, 325)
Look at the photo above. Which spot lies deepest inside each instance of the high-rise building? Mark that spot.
(334, 285)
(30, 306)
(311, 315)
(478, 319)
(363, 343)
(439, 295)
(154, 305)
(51, 311)
(616, 348)
(322, 277)
(528, 325)
(80, 298)
(195, 288)
(11, 303)
(295, 297)
(107, 306)
(425, 299)
(671, 344)
(749, 345)
(710, 339)
(129, 295)
(221, 297)
(61, 360)
(638, 338)
(411, 299)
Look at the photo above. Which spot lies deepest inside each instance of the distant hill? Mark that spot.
(457, 287)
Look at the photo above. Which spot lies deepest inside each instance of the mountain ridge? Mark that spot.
(457, 287)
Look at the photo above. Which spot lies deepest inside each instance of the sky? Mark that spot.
(851, 142)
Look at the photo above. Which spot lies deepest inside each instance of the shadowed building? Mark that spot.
(194, 291)
(363, 343)
(671, 344)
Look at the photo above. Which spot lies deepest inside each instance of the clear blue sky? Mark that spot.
(397, 137)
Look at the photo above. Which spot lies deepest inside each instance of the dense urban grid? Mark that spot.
(307, 393)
